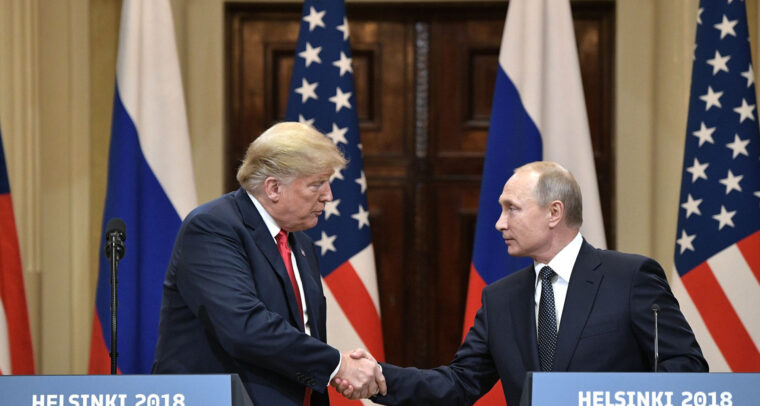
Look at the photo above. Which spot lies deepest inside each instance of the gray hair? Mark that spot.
(286, 151)
(557, 183)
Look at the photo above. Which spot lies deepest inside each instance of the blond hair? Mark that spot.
(286, 151)
(557, 183)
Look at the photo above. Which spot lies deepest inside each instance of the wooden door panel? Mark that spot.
(389, 205)
(456, 207)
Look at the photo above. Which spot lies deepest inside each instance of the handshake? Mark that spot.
(359, 376)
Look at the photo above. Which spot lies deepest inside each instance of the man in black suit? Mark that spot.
(577, 308)
(243, 292)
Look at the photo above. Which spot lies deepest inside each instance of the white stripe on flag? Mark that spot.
(740, 285)
(5, 345)
(343, 337)
(710, 350)
(364, 265)
(547, 76)
(149, 82)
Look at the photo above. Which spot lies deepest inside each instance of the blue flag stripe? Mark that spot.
(5, 186)
(504, 153)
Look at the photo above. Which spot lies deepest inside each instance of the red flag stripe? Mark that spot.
(475, 287)
(358, 307)
(13, 294)
(750, 248)
(727, 330)
(740, 286)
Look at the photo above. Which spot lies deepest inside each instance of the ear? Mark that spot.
(272, 189)
(556, 213)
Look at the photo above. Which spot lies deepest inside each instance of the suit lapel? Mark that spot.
(268, 247)
(581, 293)
(524, 318)
(310, 288)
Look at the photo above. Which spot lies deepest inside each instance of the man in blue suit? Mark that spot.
(589, 310)
(243, 292)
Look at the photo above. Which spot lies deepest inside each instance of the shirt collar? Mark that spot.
(562, 263)
(268, 220)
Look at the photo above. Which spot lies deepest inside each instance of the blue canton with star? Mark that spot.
(720, 188)
(322, 95)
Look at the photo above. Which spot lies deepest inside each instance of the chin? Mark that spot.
(311, 224)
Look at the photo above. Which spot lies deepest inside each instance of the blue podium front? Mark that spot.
(641, 389)
(123, 390)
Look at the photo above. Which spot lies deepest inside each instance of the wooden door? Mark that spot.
(424, 75)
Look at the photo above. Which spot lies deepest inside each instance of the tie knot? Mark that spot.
(281, 237)
(546, 274)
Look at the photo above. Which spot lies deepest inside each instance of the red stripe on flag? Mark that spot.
(718, 314)
(100, 360)
(750, 248)
(474, 288)
(356, 303)
(12, 293)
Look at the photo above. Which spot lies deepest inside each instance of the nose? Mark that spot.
(501, 223)
(326, 195)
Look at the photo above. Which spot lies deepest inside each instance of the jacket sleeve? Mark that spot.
(678, 348)
(469, 376)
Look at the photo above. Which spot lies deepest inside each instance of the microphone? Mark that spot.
(655, 309)
(116, 233)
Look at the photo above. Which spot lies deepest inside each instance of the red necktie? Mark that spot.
(282, 245)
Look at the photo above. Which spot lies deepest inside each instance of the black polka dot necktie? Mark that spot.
(547, 320)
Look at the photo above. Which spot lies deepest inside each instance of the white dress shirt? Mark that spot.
(562, 264)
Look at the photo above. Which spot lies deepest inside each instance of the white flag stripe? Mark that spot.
(547, 76)
(149, 83)
(364, 265)
(347, 340)
(710, 350)
(5, 345)
(741, 287)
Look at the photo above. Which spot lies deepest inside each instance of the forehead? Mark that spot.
(519, 187)
(313, 177)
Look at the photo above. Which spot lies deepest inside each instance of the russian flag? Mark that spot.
(150, 183)
(538, 113)
(16, 352)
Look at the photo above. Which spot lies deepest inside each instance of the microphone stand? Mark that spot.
(114, 250)
(655, 310)
(113, 246)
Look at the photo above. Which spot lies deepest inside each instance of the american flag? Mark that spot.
(717, 252)
(322, 95)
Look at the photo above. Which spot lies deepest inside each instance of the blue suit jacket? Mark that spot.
(228, 306)
(606, 325)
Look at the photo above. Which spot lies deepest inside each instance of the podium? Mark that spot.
(123, 390)
(640, 389)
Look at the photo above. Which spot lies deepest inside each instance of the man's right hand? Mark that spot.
(359, 376)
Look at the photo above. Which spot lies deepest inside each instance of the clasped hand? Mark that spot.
(359, 376)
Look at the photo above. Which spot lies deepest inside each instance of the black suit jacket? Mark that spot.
(606, 325)
(228, 306)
